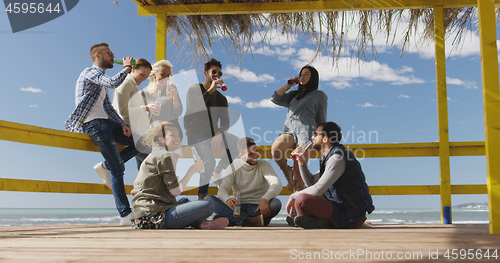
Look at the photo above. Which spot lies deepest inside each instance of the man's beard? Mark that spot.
(107, 64)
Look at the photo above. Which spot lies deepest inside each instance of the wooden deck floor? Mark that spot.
(105, 243)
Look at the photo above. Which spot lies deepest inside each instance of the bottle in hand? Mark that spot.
(120, 61)
(300, 150)
(196, 157)
(237, 208)
(293, 81)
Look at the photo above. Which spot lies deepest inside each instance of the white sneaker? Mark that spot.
(126, 221)
(104, 173)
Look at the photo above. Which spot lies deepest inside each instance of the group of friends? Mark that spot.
(146, 122)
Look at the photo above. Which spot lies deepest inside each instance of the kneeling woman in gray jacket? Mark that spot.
(156, 187)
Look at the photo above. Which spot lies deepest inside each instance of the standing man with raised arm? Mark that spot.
(337, 195)
(206, 107)
(94, 115)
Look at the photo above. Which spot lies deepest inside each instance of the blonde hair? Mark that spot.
(158, 130)
(158, 66)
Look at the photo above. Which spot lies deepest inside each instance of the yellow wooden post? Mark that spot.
(161, 37)
(442, 103)
(491, 101)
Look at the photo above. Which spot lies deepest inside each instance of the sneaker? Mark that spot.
(217, 223)
(127, 220)
(309, 222)
(255, 221)
(289, 220)
(104, 173)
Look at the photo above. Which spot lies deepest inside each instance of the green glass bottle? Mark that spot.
(120, 61)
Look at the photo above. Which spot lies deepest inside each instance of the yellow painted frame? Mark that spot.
(489, 60)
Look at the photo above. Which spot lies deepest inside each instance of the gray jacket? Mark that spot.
(303, 114)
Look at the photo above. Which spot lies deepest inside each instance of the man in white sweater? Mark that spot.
(257, 185)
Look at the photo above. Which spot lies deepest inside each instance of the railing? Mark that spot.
(22, 133)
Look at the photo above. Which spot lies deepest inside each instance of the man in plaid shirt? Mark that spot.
(95, 116)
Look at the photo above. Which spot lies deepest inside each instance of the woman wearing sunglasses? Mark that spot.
(306, 106)
(157, 186)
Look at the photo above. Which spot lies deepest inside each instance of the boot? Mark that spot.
(297, 179)
(289, 178)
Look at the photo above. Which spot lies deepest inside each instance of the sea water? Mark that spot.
(59, 216)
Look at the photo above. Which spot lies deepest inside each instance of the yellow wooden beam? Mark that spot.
(16, 132)
(491, 104)
(297, 7)
(138, 2)
(161, 37)
(442, 110)
(37, 186)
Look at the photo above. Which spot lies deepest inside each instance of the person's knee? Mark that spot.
(275, 204)
(207, 206)
(277, 151)
(302, 200)
(211, 198)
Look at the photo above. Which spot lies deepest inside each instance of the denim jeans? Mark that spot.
(202, 142)
(246, 210)
(105, 134)
(189, 213)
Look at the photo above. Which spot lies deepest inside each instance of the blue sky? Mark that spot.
(393, 97)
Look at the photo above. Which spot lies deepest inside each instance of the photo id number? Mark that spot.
(32, 8)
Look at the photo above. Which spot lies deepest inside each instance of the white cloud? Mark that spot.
(340, 84)
(452, 100)
(369, 105)
(265, 103)
(245, 75)
(282, 54)
(274, 38)
(459, 82)
(349, 69)
(33, 106)
(235, 100)
(30, 89)
(402, 96)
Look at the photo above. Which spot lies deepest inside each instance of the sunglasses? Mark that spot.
(110, 53)
(318, 133)
(216, 72)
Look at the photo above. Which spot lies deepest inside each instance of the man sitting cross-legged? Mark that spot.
(257, 184)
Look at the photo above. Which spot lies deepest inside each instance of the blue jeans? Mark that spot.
(189, 213)
(202, 142)
(246, 210)
(105, 134)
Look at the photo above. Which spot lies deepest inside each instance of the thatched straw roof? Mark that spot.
(327, 29)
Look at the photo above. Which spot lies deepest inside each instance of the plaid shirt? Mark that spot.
(87, 91)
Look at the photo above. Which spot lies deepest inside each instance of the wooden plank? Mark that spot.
(297, 6)
(37, 186)
(17, 132)
(104, 243)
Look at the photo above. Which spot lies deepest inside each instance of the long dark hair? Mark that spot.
(310, 86)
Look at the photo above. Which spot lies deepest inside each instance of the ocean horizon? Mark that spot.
(75, 216)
